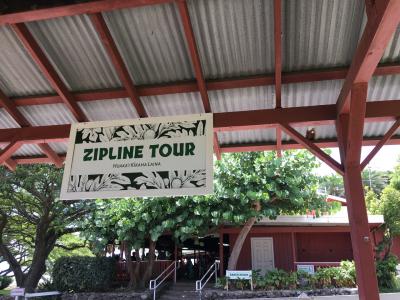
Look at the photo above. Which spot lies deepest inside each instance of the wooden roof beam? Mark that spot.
(376, 36)
(90, 7)
(48, 70)
(194, 54)
(116, 59)
(211, 85)
(23, 122)
(309, 145)
(278, 52)
(387, 110)
(381, 143)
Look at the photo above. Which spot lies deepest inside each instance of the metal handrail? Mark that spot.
(154, 284)
(199, 283)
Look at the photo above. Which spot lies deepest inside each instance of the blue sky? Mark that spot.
(386, 159)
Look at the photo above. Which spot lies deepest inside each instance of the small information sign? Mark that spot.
(238, 275)
(243, 275)
(17, 292)
(309, 269)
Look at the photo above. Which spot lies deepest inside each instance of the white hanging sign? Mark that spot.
(151, 157)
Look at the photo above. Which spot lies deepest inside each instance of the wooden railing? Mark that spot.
(122, 269)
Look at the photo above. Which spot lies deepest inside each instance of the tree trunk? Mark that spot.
(129, 266)
(149, 270)
(237, 248)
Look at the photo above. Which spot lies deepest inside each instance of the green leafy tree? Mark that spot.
(372, 179)
(248, 186)
(67, 245)
(260, 184)
(32, 220)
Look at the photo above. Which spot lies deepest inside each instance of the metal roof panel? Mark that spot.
(151, 41)
(115, 109)
(19, 76)
(320, 33)
(76, 52)
(234, 37)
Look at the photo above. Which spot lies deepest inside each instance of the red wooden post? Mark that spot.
(352, 135)
(221, 253)
(294, 251)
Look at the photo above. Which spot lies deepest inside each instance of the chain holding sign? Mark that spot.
(151, 157)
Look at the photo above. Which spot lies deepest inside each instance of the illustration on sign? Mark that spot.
(146, 157)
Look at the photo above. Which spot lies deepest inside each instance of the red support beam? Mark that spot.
(221, 253)
(279, 141)
(211, 85)
(331, 143)
(36, 134)
(217, 149)
(278, 52)
(51, 154)
(231, 121)
(194, 54)
(224, 148)
(12, 110)
(23, 122)
(358, 217)
(119, 65)
(313, 148)
(89, 7)
(6, 153)
(48, 70)
(376, 36)
(10, 164)
(380, 144)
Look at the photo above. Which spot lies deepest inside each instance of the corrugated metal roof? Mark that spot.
(60, 148)
(392, 52)
(115, 109)
(384, 88)
(19, 75)
(311, 93)
(320, 33)
(152, 43)
(73, 47)
(376, 129)
(242, 99)
(267, 135)
(49, 114)
(6, 121)
(234, 37)
(174, 104)
(28, 150)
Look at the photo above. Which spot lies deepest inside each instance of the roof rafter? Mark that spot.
(211, 85)
(230, 121)
(194, 54)
(376, 36)
(6, 153)
(388, 135)
(289, 145)
(48, 70)
(23, 122)
(119, 65)
(314, 149)
(89, 7)
(278, 52)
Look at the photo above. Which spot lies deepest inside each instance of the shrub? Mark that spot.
(83, 273)
(386, 272)
(279, 279)
(4, 282)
